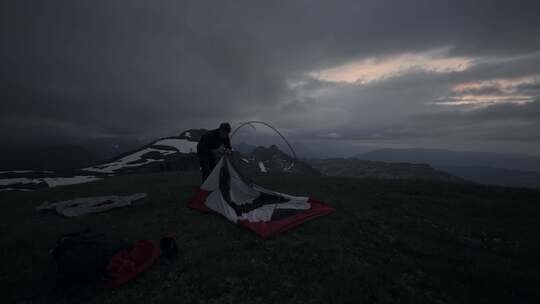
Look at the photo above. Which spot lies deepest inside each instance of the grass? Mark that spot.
(390, 241)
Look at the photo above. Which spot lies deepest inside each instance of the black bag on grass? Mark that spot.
(82, 257)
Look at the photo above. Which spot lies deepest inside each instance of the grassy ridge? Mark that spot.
(390, 241)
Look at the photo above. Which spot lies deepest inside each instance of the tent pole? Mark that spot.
(268, 125)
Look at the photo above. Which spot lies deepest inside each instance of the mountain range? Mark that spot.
(176, 153)
(512, 170)
(32, 169)
(351, 167)
(438, 157)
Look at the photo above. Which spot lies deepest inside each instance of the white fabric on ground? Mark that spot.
(242, 193)
(212, 181)
(216, 202)
(287, 196)
(261, 214)
(85, 205)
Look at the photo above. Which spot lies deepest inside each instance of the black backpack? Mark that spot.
(82, 257)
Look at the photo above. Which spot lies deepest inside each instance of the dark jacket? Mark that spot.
(212, 140)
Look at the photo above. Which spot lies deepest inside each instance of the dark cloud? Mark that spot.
(298, 106)
(530, 88)
(149, 68)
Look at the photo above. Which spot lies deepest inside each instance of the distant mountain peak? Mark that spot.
(272, 160)
(178, 153)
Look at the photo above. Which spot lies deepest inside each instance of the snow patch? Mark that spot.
(63, 181)
(24, 171)
(50, 181)
(17, 171)
(182, 145)
(187, 134)
(289, 167)
(262, 167)
(136, 160)
(15, 189)
(19, 180)
(125, 161)
(245, 160)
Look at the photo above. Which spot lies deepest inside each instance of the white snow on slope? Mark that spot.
(187, 134)
(262, 167)
(15, 189)
(16, 171)
(182, 145)
(124, 162)
(62, 181)
(20, 180)
(51, 181)
(25, 171)
(289, 167)
(245, 160)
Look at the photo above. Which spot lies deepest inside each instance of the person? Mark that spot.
(210, 141)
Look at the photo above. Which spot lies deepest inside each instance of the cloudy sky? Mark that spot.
(462, 75)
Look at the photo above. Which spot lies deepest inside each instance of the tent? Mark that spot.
(264, 211)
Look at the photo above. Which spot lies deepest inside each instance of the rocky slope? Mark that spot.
(176, 153)
(264, 160)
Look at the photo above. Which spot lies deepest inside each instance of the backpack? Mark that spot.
(82, 257)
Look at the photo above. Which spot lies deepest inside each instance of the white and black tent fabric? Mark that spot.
(264, 211)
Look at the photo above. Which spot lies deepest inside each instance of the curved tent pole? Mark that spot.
(268, 125)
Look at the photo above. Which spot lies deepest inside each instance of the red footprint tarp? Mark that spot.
(264, 211)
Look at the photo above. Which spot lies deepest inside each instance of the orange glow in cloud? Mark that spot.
(375, 69)
(507, 85)
(483, 100)
(464, 94)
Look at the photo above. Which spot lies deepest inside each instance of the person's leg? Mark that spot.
(204, 161)
(212, 160)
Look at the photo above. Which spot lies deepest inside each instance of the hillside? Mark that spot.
(269, 160)
(165, 154)
(175, 153)
(439, 157)
(509, 170)
(350, 167)
(496, 176)
(389, 241)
